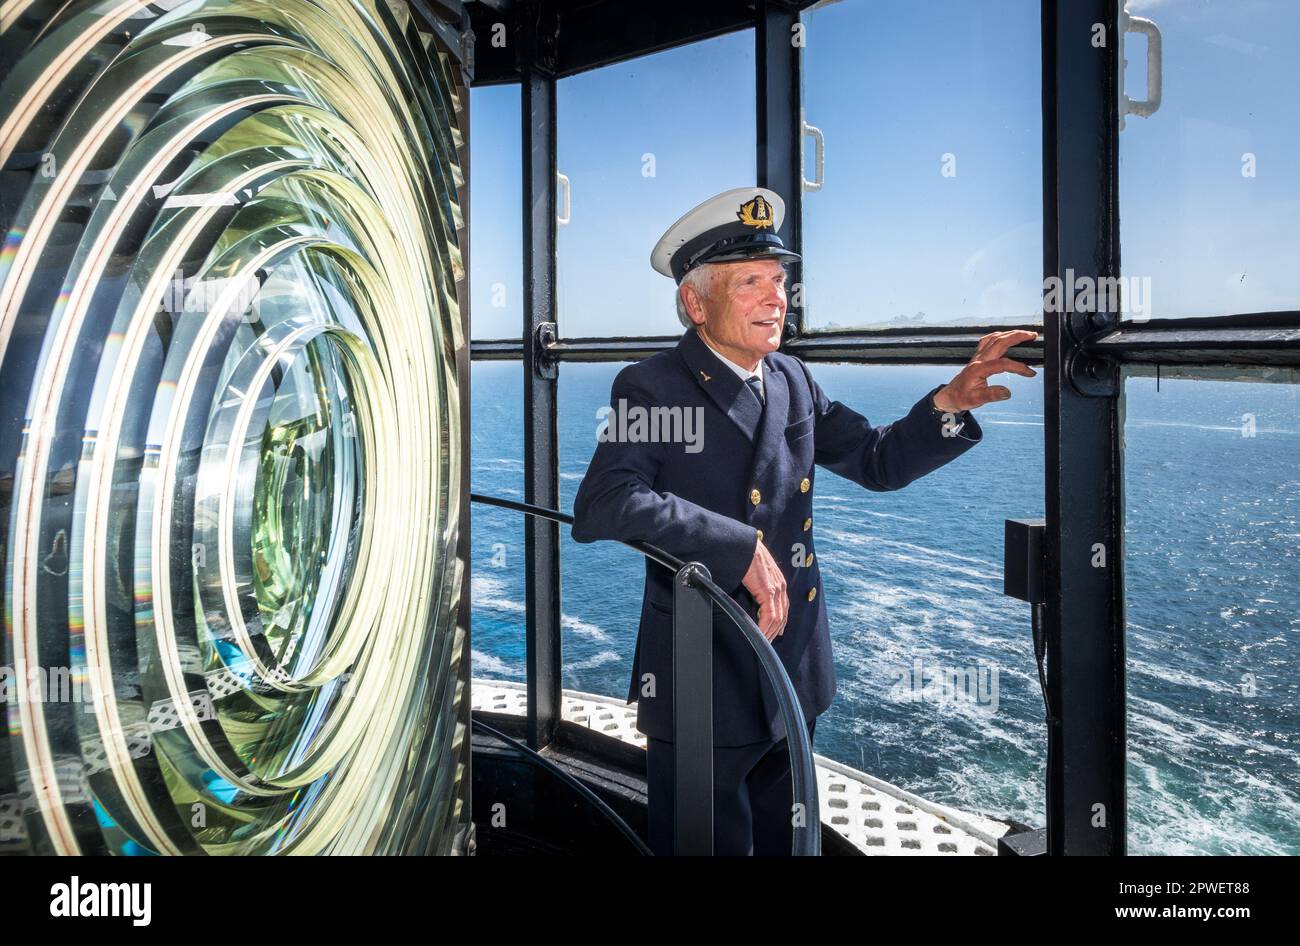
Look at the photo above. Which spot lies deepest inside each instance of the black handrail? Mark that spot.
(807, 837)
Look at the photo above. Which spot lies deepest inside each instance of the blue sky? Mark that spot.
(899, 230)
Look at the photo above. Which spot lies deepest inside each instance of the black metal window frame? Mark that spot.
(1085, 356)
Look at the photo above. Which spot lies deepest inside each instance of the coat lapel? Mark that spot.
(722, 384)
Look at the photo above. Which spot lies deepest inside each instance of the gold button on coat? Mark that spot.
(810, 560)
(755, 496)
(760, 535)
(805, 485)
(807, 524)
(812, 594)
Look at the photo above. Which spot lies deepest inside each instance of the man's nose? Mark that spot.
(776, 297)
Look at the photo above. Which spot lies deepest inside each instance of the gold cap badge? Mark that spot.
(756, 213)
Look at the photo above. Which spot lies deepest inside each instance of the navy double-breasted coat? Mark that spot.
(751, 469)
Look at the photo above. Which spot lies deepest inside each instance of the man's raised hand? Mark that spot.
(970, 388)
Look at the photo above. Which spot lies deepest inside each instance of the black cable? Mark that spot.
(1040, 652)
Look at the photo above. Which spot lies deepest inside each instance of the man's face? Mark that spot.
(744, 314)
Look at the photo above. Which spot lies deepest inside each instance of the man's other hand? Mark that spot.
(971, 387)
(766, 583)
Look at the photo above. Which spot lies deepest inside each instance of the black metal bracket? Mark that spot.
(467, 46)
(542, 24)
(1024, 844)
(544, 341)
(1023, 564)
(1092, 376)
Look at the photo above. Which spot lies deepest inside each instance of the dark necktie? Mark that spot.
(752, 382)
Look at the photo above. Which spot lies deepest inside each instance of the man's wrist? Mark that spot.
(934, 404)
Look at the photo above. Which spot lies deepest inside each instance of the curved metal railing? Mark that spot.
(536, 758)
(807, 831)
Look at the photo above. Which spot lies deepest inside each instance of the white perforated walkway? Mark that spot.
(874, 815)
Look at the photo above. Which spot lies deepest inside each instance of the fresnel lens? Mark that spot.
(230, 428)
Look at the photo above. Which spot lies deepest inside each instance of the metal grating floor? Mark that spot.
(877, 817)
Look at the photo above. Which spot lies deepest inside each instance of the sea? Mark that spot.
(937, 687)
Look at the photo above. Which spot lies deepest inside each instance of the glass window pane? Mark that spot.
(1209, 184)
(913, 584)
(641, 144)
(496, 259)
(599, 627)
(497, 469)
(1212, 508)
(931, 207)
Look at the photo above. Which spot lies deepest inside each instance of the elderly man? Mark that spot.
(739, 500)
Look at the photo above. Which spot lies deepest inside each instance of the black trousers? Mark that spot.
(752, 797)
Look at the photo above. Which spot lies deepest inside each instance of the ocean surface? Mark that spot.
(913, 583)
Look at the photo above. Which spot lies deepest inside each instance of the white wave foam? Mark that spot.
(490, 665)
(486, 591)
(578, 626)
(595, 660)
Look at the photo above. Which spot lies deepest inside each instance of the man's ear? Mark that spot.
(694, 303)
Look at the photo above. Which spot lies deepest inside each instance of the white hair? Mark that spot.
(701, 280)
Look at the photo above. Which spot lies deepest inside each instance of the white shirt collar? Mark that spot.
(741, 372)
